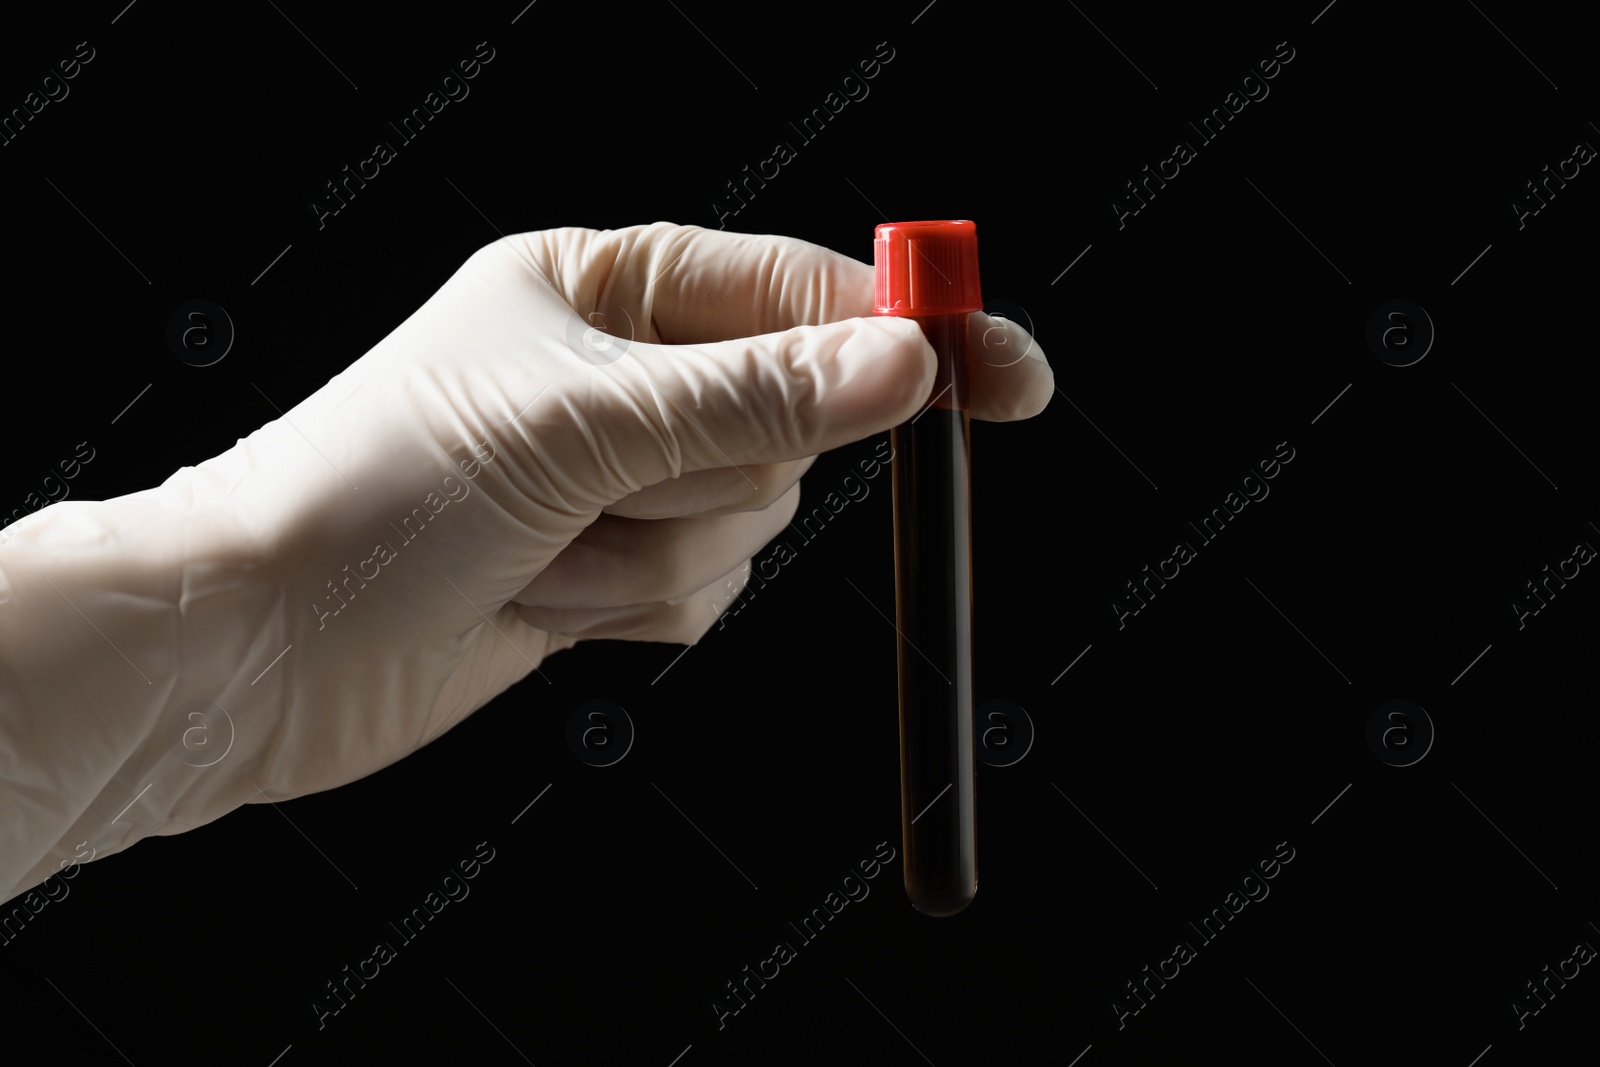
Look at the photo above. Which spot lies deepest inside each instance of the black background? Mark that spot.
(1223, 719)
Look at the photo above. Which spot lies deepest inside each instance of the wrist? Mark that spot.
(110, 615)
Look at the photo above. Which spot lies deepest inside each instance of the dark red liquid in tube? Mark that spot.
(928, 271)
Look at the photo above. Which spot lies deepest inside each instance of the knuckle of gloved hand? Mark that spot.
(612, 434)
(797, 396)
(658, 428)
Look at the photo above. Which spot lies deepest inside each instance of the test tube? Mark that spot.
(928, 272)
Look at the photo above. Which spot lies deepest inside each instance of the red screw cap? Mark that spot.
(926, 268)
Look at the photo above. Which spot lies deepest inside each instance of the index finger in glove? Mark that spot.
(693, 285)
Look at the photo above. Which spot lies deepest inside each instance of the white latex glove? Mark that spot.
(556, 490)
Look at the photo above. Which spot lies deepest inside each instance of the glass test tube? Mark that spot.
(927, 271)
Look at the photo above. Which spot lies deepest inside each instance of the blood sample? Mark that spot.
(928, 272)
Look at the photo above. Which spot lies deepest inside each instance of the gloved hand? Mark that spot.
(493, 482)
